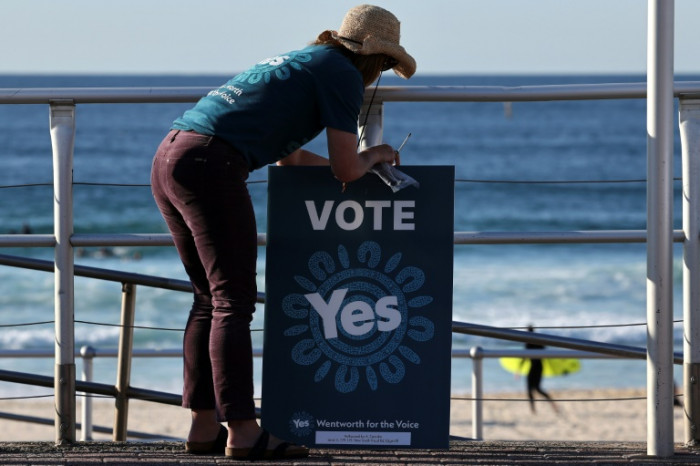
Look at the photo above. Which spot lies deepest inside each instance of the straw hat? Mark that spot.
(369, 30)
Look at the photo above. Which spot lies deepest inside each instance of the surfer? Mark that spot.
(534, 376)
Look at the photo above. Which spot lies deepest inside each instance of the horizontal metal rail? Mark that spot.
(102, 95)
(105, 274)
(623, 351)
(525, 93)
(547, 353)
(48, 381)
(460, 237)
(552, 237)
(100, 429)
(99, 273)
(88, 352)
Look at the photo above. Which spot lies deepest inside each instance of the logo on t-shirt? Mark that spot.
(278, 67)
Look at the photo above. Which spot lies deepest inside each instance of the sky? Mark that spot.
(227, 36)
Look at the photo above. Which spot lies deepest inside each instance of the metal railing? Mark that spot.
(62, 105)
(477, 354)
(87, 354)
(122, 391)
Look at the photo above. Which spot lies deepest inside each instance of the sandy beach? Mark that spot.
(588, 415)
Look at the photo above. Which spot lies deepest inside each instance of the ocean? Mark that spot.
(530, 166)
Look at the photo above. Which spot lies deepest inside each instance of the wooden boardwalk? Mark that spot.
(461, 451)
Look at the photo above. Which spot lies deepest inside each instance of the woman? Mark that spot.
(261, 116)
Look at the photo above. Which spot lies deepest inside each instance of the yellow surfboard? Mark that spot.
(550, 367)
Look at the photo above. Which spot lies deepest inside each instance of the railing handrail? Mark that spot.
(176, 352)
(87, 353)
(96, 95)
(109, 352)
(106, 274)
(460, 237)
(526, 93)
(624, 351)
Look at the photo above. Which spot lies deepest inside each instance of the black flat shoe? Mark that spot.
(259, 451)
(214, 447)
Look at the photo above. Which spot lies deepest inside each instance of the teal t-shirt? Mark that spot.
(280, 104)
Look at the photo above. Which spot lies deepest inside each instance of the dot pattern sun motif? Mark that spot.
(357, 337)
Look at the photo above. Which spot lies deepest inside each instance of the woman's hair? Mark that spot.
(369, 65)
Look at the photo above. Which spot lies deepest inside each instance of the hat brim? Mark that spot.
(406, 66)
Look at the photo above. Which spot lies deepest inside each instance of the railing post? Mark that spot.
(87, 353)
(690, 143)
(660, 120)
(62, 124)
(477, 392)
(126, 342)
(371, 124)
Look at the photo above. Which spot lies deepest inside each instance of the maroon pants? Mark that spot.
(199, 184)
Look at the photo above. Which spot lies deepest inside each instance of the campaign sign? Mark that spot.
(358, 312)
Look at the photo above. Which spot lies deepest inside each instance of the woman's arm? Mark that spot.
(303, 157)
(347, 165)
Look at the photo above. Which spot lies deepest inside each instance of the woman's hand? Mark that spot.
(385, 153)
(346, 163)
